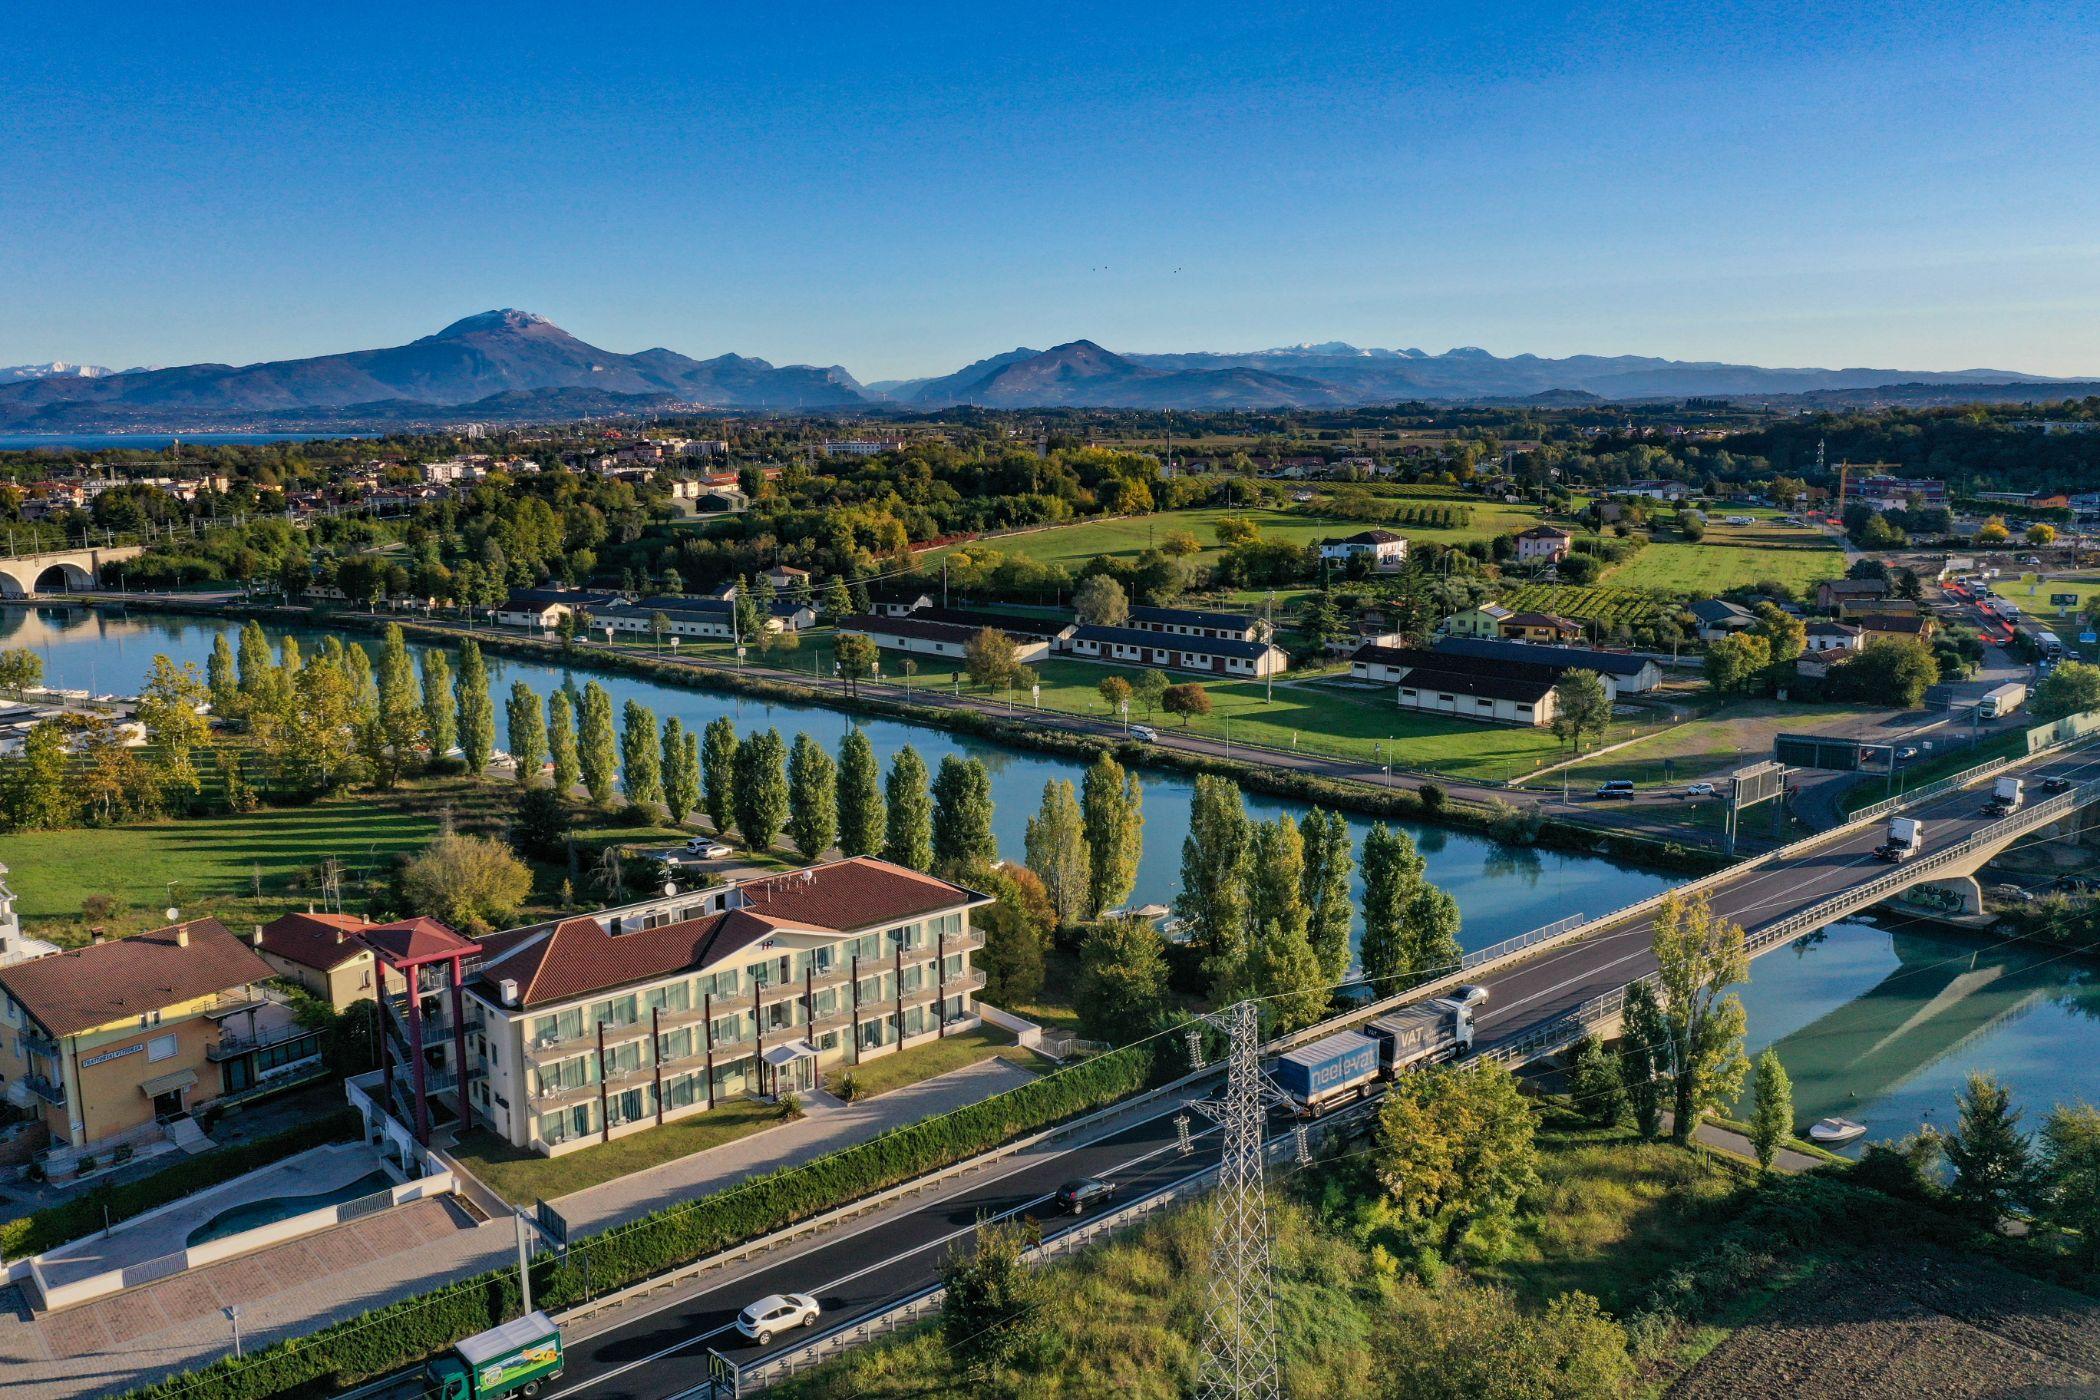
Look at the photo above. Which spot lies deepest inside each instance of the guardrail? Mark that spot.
(1565, 1029)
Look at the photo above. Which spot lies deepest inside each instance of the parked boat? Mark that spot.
(1836, 1132)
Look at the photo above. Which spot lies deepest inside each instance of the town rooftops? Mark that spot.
(1827, 628)
(1194, 617)
(1489, 683)
(1544, 532)
(579, 956)
(320, 941)
(977, 619)
(1610, 663)
(128, 977)
(1370, 537)
(1541, 619)
(1171, 641)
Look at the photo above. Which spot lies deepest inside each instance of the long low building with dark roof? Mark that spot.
(1624, 672)
(1220, 656)
(1470, 688)
(915, 635)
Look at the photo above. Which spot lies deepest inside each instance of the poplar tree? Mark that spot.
(1057, 851)
(1392, 875)
(395, 726)
(681, 764)
(527, 726)
(597, 752)
(1329, 908)
(477, 712)
(561, 743)
(641, 754)
(908, 838)
(221, 677)
(862, 818)
(1699, 956)
(761, 790)
(255, 656)
(1771, 1108)
(440, 714)
(718, 774)
(1112, 802)
(813, 811)
(1641, 1050)
(1213, 898)
(1432, 933)
(962, 815)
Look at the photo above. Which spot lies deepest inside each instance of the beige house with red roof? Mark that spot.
(592, 1027)
(322, 953)
(105, 1041)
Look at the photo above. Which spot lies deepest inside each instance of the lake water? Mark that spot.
(1873, 1023)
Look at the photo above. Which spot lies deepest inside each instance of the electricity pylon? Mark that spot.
(1238, 1361)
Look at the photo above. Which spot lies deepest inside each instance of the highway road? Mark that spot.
(894, 1255)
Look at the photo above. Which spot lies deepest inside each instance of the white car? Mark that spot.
(776, 1313)
(1145, 732)
(1700, 790)
(708, 849)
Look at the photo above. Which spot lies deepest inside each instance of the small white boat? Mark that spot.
(1836, 1132)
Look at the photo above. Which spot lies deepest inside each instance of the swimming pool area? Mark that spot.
(251, 1214)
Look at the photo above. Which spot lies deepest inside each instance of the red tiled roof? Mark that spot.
(856, 893)
(578, 956)
(92, 986)
(320, 941)
(412, 940)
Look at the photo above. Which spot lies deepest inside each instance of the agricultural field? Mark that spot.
(1719, 742)
(1733, 556)
(1597, 603)
(1129, 536)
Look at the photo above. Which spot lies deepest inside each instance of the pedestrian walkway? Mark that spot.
(1736, 1145)
(825, 1129)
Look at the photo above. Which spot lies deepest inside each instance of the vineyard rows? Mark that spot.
(1595, 604)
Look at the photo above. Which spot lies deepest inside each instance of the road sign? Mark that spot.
(1760, 782)
(553, 1224)
(722, 1377)
(2064, 600)
(1817, 751)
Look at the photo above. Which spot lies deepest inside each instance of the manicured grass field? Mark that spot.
(1733, 556)
(1734, 737)
(939, 1057)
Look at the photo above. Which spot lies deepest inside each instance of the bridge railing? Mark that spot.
(1570, 1026)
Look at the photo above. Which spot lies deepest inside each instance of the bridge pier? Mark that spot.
(1952, 896)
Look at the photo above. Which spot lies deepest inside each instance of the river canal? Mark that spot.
(1879, 1024)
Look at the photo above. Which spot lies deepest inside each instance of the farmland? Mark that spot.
(1599, 603)
(1734, 556)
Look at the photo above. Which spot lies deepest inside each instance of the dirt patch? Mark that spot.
(1903, 1325)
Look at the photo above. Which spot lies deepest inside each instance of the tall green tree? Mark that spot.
(395, 727)
(1392, 878)
(813, 812)
(1016, 928)
(597, 751)
(1057, 851)
(1122, 980)
(1581, 708)
(2068, 1176)
(255, 657)
(1112, 803)
(1432, 933)
(39, 795)
(1594, 1083)
(995, 1305)
(1699, 956)
(561, 743)
(1213, 898)
(222, 677)
(908, 838)
(1454, 1149)
(169, 704)
(641, 754)
(863, 817)
(1771, 1108)
(1992, 1159)
(962, 815)
(527, 725)
(761, 790)
(1642, 1049)
(477, 710)
(718, 773)
(440, 709)
(1329, 907)
(681, 768)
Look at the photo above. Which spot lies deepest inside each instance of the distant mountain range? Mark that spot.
(514, 366)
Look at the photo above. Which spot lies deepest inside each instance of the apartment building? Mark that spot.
(596, 1026)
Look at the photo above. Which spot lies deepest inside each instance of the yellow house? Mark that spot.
(1483, 621)
(322, 953)
(106, 1041)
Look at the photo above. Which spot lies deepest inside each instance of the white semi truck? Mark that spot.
(1906, 839)
(2006, 796)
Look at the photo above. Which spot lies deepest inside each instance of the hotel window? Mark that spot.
(161, 1047)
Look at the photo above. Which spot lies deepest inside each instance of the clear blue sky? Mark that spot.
(903, 189)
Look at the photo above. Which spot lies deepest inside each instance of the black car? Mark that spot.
(1075, 1196)
(2056, 784)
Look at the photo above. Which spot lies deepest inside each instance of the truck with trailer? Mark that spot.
(516, 1358)
(1348, 1065)
(1905, 839)
(2006, 796)
(2002, 700)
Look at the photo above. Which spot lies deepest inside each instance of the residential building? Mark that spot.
(322, 953)
(785, 576)
(1194, 622)
(1543, 544)
(1653, 490)
(1717, 618)
(712, 619)
(1020, 626)
(1546, 628)
(1833, 637)
(1484, 621)
(15, 946)
(917, 636)
(1884, 492)
(859, 447)
(1385, 550)
(1917, 628)
(590, 1028)
(1834, 592)
(542, 609)
(1221, 656)
(1483, 690)
(104, 1042)
(1624, 672)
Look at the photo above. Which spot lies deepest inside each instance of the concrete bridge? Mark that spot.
(61, 570)
(1542, 1001)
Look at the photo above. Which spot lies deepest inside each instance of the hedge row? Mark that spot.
(83, 1215)
(401, 1334)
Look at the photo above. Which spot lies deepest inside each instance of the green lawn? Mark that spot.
(1733, 556)
(1738, 734)
(938, 1057)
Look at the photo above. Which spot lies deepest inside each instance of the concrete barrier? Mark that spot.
(1025, 1032)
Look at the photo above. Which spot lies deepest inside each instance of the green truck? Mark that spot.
(514, 1359)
